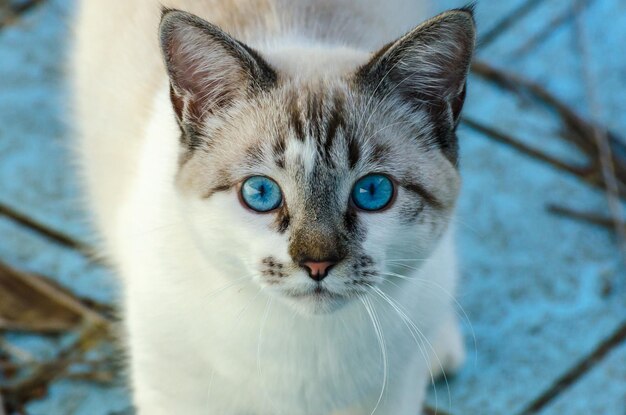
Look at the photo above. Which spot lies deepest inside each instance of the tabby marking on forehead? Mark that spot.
(318, 116)
(295, 117)
(335, 122)
(278, 151)
(354, 152)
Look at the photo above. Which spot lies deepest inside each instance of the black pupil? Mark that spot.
(262, 190)
(372, 189)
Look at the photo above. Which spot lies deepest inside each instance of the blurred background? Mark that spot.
(540, 224)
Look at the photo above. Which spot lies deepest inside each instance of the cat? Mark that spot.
(274, 183)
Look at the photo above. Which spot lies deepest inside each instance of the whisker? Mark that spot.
(152, 230)
(243, 310)
(420, 344)
(463, 316)
(405, 260)
(371, 98)
(384, 128)
(387, 95)
(208, 395)
(268, 306)
(455, 219)
(381, 342)
(235, 282)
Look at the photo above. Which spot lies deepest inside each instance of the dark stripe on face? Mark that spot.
(335, 122)
(254, 154)
(354, 152)
(294, 118)
(192, 139)
(379, 153)
(278, 150)
(282, 220)
(409, 213)
(315, 115)
(216, 189)
(444, 131)
(351, 222)
(423, 193)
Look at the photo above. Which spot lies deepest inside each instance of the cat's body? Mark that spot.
(208, 332)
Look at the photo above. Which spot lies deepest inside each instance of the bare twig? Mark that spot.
(589, 217)
(577, 372)
(577, 130)
(577, 126)
(513, 17)
(550, 28)
(518, 145)
(11, 11)
(14, 351)
(432, 411)
(99, 376)
(606, 165)
(17, 394)
(30, 303)
(47, 232)
(95, 328)
(600, 136)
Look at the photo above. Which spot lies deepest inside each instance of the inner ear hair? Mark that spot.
(429, 64)
(208, 69)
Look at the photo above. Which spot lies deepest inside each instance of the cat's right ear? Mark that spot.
(428, 66)
(208, 69)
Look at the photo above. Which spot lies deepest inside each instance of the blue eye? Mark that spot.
(261, 194)
(372, 192)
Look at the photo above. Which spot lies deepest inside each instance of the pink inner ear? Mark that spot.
(178, 103)
(204, 75)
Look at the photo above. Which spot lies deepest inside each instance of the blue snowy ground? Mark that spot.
(542, 293)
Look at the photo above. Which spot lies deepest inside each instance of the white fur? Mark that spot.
(204, 338)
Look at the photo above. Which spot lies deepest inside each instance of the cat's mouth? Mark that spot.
(318, 299)
(318, 293)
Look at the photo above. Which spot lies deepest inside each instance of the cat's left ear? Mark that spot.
(428, 66)
(208, 69)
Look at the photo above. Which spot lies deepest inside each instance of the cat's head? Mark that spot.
(311, 170)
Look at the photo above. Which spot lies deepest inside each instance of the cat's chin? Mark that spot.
(315, 303)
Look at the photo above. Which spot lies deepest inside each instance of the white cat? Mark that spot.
(274, 189)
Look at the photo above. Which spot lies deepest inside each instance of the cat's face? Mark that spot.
(315, 183)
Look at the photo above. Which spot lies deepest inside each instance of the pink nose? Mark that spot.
(318, 270)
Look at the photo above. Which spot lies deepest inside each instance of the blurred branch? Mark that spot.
(34, 304)
(52, 234)
(609, 166)
(432, 411)
(578, 131)
(605, 152)
(520, 146)
(568, 16)
(577, 372)
(30, 303)
(17, 394)
(14, 351)
(10, 11)
(589, 217)
(516, 15)
(97, 376)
